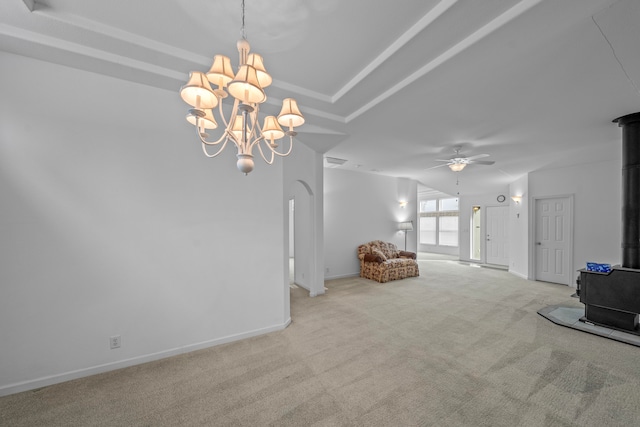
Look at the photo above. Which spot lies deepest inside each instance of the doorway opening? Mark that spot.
(497, 235)
(292, 240)
(476, 233)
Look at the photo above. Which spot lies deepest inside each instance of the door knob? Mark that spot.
(538, 243)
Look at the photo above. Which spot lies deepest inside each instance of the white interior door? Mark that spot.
(497, 235)
(553, 240)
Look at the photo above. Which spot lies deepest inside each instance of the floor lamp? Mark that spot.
(405, 226)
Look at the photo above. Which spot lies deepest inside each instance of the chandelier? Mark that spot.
(241, 127)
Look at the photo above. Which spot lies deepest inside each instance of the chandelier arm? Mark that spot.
(255, 125)
(206, 153)
(251, 130)
(269, 162)
(260, 139)
(256, 141)
(202, 138)
(288, 152)
(233, 110)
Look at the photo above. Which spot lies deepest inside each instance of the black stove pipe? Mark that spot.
(630, 125)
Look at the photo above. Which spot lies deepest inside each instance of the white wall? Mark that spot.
(360, 207)
(597, 191)
(116, 224)
(518, 228)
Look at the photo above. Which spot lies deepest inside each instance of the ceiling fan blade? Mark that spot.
(439, 166)
(442, 160)
(477, 156)
(482, 162)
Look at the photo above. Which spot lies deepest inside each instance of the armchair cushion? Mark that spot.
(379, 254)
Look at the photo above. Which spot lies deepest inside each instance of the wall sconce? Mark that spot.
(405, 226)
(403, 204)
(517, 199)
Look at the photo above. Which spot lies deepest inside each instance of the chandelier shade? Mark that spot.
(238, 127)
(245, 87)
(205, 122)
(256, 62)
(290, 115)
(242, 127)
(197, 92)
(220, 73)
(271, 129)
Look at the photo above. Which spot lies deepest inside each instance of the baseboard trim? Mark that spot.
(522, 276)
(138, 360)
(342, 276)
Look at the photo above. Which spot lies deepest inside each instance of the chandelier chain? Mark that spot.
(243, 33)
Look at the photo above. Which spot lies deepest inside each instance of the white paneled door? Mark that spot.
(553, 240)
(498, 235)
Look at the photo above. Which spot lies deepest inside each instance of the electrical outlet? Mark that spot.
(327, 270)
(114, 341)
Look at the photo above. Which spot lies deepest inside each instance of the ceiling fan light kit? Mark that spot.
(457, 167)
(242, 127)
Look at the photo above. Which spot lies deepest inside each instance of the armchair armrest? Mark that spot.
(373, 258)
(405, 254)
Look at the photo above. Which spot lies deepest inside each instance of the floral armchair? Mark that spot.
(382, 262)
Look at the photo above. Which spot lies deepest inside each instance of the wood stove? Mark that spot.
(613, 299)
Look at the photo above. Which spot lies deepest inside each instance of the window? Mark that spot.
(428, 230)
(428, 205)
(439, 222)
(448, 230)
(448, 205)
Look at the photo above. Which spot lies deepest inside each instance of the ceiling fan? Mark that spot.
(459, 162)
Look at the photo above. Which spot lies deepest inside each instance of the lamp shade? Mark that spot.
(220, 72)
(256, 62)
(405, 226)
(197, 92)
(207, 122)
(457, 167)
(271, 129)
(245, 86)
(290, 115)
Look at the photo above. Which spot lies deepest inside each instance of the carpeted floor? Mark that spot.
(458, 346)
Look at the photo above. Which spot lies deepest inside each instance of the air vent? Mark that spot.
(333, 162)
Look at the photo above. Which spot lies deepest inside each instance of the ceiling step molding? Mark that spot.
(476, 36)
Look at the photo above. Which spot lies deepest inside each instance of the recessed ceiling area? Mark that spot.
(387, 86)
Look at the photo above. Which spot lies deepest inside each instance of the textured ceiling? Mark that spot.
(388, 86)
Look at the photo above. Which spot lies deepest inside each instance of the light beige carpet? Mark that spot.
(457, 346)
